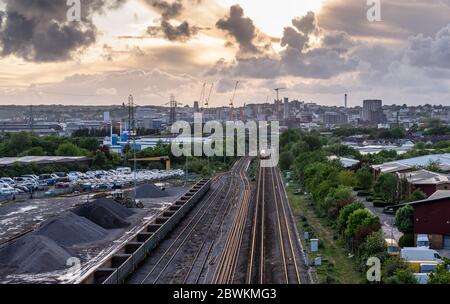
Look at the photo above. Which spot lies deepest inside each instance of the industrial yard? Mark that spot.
(226, 230)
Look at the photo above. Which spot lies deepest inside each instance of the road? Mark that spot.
(191, 252)
(276, 251)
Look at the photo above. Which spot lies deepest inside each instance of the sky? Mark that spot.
(317, 49)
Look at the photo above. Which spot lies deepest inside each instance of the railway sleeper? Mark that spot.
(153, 227)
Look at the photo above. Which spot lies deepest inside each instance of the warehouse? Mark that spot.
(411, 164)
(432, 217)
(426, 181)
(44, 160)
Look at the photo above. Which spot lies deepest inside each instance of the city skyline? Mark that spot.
(318, 50)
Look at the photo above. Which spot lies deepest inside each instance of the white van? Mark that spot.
(420, 254)
(423, 241)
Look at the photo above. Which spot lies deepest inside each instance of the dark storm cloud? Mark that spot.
(306, 24)
(293, 38)
(38, 30)
(240, 28)
(324, 61)
(170, 10)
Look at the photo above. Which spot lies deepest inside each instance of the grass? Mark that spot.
(336, 267)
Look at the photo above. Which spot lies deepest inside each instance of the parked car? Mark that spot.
(7, 180)
(48, 178)
(61, 174)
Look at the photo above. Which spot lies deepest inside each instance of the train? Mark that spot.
(120, 264)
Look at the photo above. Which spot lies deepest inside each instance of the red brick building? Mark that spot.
(432, 217)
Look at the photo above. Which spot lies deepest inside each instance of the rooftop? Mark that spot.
(9, 161)
(425, 177)
(416, 162)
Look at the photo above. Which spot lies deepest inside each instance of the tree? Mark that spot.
(347, 178)
(336, 199)
(401, 276)
(286, 160)
(417, 195)
(35, 151)
(404, 219)
(345, 213)
(360, 224)
(69, 149)
(386, 187)
(441, 273)
(364, 178)
(99, 159)
(374, 245)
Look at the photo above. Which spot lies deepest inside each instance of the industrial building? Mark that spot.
(426, 181)
(432, 217)
(44, 160)
(411, 164)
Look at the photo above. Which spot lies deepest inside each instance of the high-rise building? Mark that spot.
(372, 111)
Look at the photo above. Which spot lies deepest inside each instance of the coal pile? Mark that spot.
(70, 229)
(150, 191)
(105, 213)
(34, 254)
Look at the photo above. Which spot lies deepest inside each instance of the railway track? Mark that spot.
(226, 269)
(275, 254)
(184, 258)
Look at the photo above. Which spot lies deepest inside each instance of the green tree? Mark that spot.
(347, 178)
(100, 159)
(441, 274)
(35, 151)
(360, 224)
(286, 160)
(417, 195)
(386, 187)
(69, 149)
(345, 213)
(364, 178)
(401, 276)
(404, 219)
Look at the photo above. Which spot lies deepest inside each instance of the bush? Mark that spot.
(406, 240)
(402, 276)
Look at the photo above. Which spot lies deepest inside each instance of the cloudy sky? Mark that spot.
(317, 49)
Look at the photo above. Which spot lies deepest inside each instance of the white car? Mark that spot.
(6, 189)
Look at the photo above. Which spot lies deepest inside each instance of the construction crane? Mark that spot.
(278, 92)
(202, 95)
(209, 95)
(163, 159)
(232, 100)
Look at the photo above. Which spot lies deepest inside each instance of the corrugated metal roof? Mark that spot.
(421, 161)
(8, 161)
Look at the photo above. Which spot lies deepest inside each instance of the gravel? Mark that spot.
(34, 254)
(70, 229)
(150, 191)
(106, 213)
